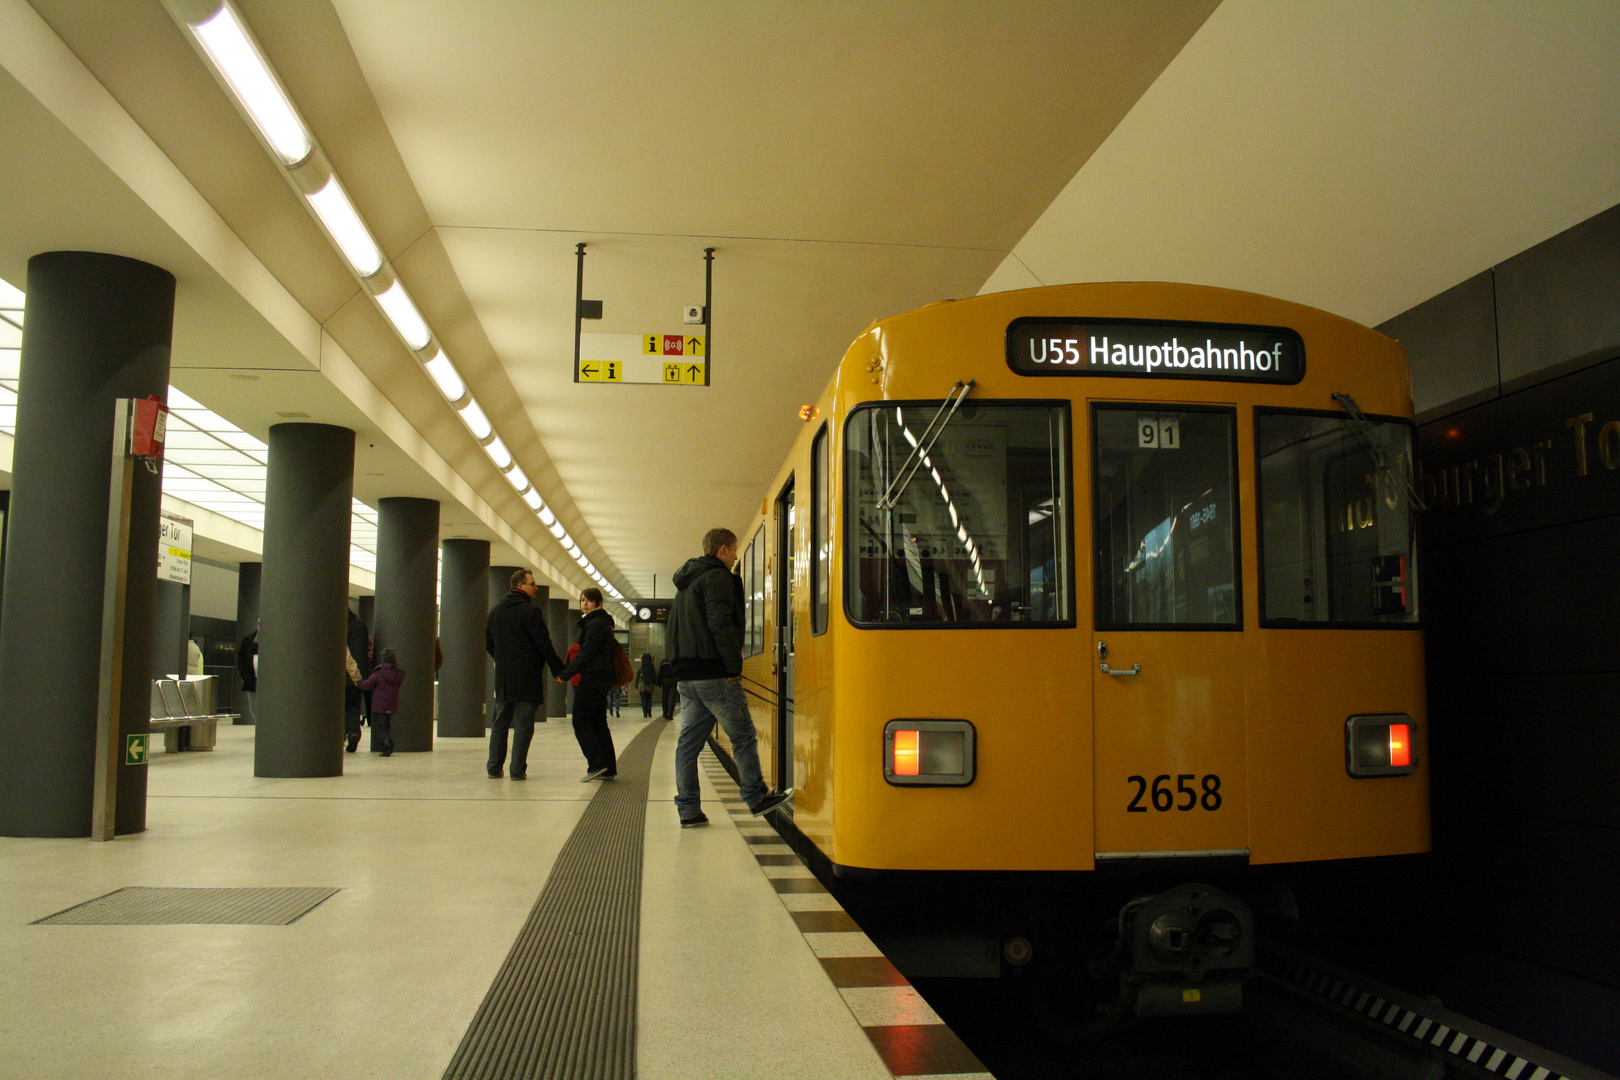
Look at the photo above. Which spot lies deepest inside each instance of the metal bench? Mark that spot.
(178, 713)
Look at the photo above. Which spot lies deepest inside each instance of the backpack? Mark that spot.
(624, 673)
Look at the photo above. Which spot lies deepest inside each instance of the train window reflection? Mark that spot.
(1166, 517)
(979, 534)
(1336, 521)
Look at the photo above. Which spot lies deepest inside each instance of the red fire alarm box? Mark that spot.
(151, 420)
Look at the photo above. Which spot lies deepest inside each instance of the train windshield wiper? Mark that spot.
(1363, 428)
(920, 447)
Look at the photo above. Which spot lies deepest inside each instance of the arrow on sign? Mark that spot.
(587, 370)
(694, 370)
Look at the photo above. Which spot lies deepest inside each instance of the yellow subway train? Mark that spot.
(1103, 583)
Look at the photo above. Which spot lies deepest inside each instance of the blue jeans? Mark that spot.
(519, 717)
(703, 701)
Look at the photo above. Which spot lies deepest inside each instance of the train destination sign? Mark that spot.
(1044, 346)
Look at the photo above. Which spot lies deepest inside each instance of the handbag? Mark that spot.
(623, 672)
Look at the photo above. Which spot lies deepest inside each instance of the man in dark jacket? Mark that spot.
(516, 637)
(705, 646)
(594, 666)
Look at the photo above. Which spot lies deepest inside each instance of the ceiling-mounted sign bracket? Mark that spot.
(669, 359)
(583, 308)
(708, 313)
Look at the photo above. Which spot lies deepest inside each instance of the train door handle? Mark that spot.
(1102, 654)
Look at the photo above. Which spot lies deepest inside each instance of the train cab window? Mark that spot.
(820, 533)
(1165, 528)
(1336, 520)
(963, 526)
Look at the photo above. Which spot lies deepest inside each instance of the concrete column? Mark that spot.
(303, 617)
(561, 628)
(99, 329)
(542, 600)
(171, 623)
(463, 684)
(500, 583)
(366, 608)
(407, 611)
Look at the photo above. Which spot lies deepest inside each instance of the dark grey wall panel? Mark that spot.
(1556, 304)
(1450, 341)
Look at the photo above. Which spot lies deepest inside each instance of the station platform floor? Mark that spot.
(461, 927)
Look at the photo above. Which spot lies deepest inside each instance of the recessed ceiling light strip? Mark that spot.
(222, 37)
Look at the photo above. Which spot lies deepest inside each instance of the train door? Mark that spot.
(1167, 675)
(786, 522)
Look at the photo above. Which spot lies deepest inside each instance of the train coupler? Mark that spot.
(1188, 950)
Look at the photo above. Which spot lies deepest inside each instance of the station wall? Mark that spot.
(1517, 375)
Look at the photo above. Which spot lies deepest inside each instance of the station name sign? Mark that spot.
(1157, 350)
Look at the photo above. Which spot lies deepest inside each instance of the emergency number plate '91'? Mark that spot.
(1155, 350)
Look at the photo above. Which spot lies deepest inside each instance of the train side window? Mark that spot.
(1337, 543)
(820, 532)
(755, 589)
(977, 534)
(1165, 517)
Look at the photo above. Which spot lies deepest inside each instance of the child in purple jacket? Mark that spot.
(384, 682)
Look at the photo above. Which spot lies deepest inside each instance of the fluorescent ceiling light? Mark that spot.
(547, 518)
(396, 304)
(476, 421)
(518, 479)
(226, 42)
(574, 552)
(445, 377)
(532, 497)
(499, 454)
(342, 220)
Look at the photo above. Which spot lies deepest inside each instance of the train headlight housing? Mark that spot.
(1379, 745)
(929, 753)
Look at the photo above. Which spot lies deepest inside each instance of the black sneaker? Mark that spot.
(694, 822)
(771, 802)
(594, 774)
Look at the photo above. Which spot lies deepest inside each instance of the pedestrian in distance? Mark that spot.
(646, 683)
(594, 666)
(705, 647)
(383, 683)
(516, 637)
(247, 668)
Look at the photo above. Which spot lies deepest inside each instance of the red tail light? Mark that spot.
(1400, 745)
(906, 759)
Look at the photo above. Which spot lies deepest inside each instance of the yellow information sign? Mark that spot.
(688, 373)
(601, 371)
(671, 345)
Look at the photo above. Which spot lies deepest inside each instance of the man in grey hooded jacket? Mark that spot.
(705, 648)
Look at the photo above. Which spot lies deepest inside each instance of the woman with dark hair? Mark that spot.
(594, 666)
(646, 682)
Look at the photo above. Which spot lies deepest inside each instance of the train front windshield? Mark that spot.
(979, 531)
(1336, 520)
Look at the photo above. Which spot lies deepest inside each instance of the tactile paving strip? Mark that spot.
(564, 1004)
(908, 1035)
(139, 906)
